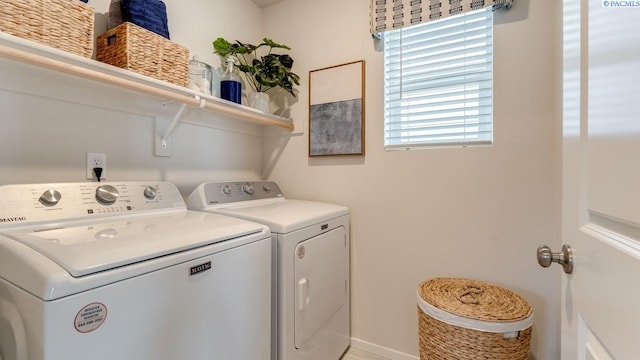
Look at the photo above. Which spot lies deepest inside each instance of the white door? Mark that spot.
(601, 179)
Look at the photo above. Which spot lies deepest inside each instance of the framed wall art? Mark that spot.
(336, 110)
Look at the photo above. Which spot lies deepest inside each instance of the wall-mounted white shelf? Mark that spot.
(85, 71)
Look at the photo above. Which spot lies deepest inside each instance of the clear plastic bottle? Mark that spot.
(230, 87)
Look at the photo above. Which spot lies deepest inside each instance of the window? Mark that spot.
(439, 82)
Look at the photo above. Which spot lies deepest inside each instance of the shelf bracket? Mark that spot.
(172, 126)
(174, 122)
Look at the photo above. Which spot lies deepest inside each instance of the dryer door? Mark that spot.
(321, 274)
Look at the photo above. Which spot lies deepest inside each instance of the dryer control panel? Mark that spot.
(29, 203)
(229, 192)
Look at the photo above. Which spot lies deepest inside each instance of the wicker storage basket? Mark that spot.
(131, 47)
(462, 319)
(63, 24)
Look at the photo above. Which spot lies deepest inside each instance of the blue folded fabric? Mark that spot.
(149, 14)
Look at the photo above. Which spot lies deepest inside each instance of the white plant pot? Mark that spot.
(259, 101)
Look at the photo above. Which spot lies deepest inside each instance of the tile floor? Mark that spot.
(355, 354)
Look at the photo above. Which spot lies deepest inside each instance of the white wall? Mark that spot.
(45, 140)
(477, 212)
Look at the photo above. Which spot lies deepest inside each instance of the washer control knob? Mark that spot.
(248, 189)
(150, 192)
(226, 190)
(50, 197)
(107, 194)
(266, 187)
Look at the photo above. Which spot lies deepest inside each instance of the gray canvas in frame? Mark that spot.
(336, 128)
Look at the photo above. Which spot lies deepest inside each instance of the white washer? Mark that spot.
(124, 271)
(311, 272)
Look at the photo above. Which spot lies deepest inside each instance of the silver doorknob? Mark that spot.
(565, 258)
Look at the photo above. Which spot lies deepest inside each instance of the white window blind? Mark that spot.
(439, 82)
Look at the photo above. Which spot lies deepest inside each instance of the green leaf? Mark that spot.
(286, 61)
(273, 44)
(293, 78)
(222, 47)
(245, 48)
(246, 69)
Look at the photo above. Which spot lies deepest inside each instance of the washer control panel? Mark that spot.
(23, 204)
(229, 192)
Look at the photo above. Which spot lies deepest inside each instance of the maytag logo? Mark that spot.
(200, 268)
(13, 219)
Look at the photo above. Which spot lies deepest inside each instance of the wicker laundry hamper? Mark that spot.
(462, 319)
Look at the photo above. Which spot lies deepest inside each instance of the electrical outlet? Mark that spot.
(95, 160)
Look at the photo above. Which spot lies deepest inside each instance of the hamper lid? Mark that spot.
(474, 304)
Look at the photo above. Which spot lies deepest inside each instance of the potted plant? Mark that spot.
(263, 69)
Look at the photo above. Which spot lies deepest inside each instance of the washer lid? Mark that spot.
(284, 215)
(84, 248)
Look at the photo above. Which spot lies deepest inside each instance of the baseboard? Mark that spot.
(380, 350)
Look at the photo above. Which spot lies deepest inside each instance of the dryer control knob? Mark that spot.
(266, 187)
(226, 190)
(248, 189)
(50, 197)
(150, 192)
(107, 194)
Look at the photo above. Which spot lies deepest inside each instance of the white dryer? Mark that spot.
(311, 258)
(124, 271)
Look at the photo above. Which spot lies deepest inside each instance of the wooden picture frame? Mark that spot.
(336, 110)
